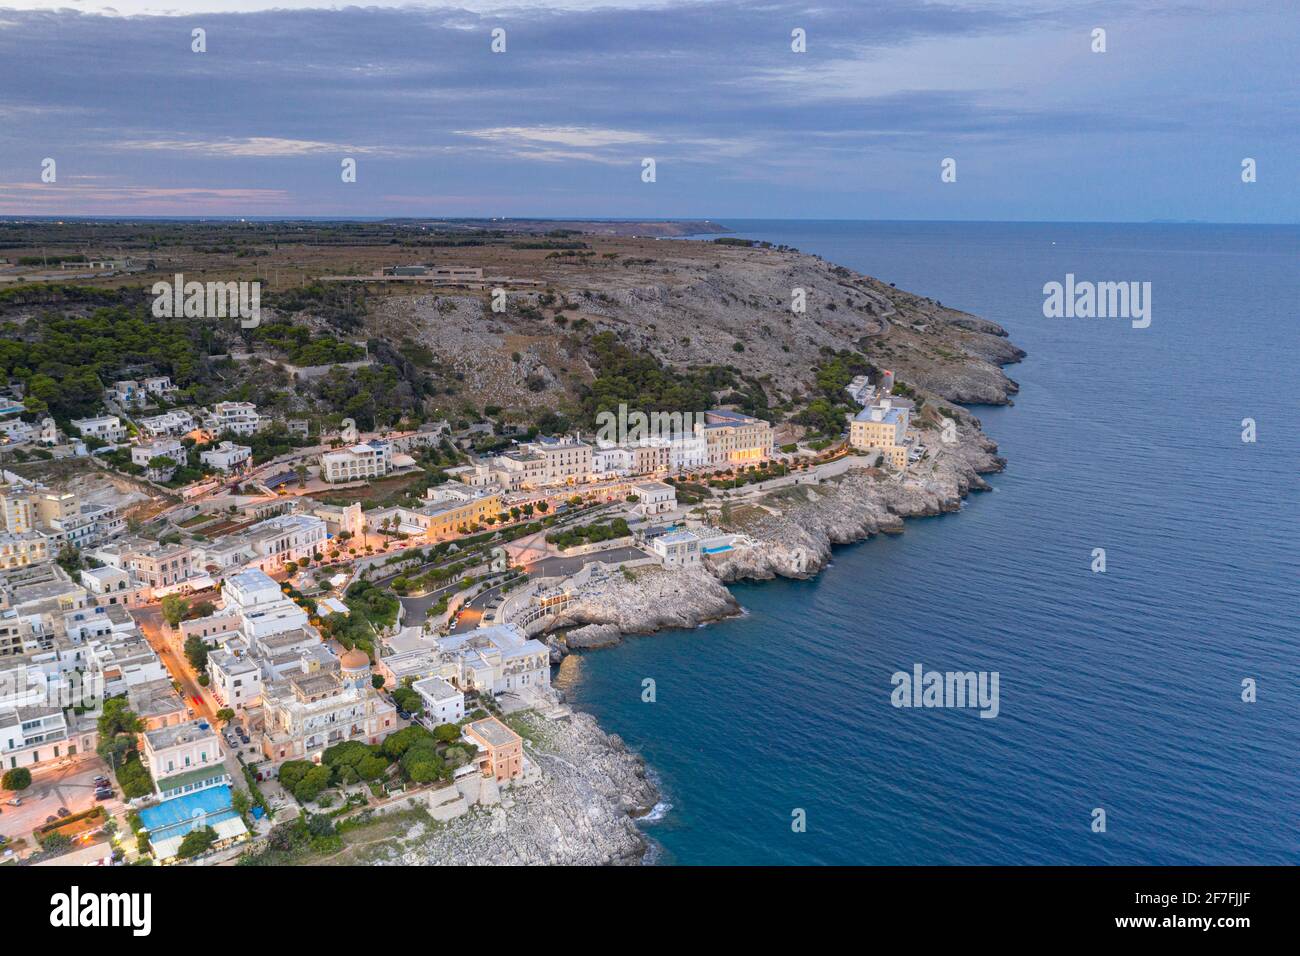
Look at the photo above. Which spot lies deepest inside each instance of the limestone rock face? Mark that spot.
(653, 599)
(581, 813)
(592, 635)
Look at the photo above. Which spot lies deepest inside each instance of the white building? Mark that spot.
(241, 418)
(126, 392)
(174, 422)
(367, 460)
(443, 704)
(654, 497)
(677, 549)
(160, 385)
(168, 448)
(227, 457)
(235, 678)
(30, 736)
(259, 606)
(184, 758)
(107, 428)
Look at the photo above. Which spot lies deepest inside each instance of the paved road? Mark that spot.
(69, 785)
(417, 608)
(155, 631)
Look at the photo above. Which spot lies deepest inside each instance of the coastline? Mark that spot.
(793, 532)
(594, 793)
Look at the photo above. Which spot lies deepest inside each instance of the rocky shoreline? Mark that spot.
(582, 812)
(793, 530)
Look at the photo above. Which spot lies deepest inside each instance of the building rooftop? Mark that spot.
(187, 733)
(435, 688)
(493, 732)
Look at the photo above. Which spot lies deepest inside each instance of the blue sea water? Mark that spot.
(1119, 691)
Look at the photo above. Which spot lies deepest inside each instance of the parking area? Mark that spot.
(71, 787)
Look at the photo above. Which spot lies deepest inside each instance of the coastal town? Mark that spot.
(239, 631)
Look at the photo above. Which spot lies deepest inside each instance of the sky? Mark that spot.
(739, 125)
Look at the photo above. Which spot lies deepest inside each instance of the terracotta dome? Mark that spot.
(355, 660)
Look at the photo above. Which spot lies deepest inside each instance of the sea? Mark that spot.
(1147, 714)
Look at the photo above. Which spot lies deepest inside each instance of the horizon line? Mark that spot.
(235, 217)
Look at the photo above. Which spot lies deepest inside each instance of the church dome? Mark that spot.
(355, 660)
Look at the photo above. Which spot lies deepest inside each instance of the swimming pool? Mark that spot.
(181, 814)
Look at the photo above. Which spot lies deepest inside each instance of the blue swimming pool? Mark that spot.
(182, 814)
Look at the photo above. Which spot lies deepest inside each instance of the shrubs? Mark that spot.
(20, 778)
(133, 777)
(588, 534)
(196, 842)
(304, 779)
(408, 700)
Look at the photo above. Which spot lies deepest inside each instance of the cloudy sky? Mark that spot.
(1041, 127)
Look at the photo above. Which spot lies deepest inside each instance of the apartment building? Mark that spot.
(169, 448)
(108, 428)
(443, 703)
(235, 677)
(239, 418)
(173, 423)
(734, 439)
(372, 459)
(184, 758)
(501, 750)
(20, 550)
(164, 565)
(30, 736)
(17, 510)
(227, 457)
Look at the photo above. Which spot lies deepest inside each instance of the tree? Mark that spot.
(196, 652)
(173, 609)
(447, 733)
(117, 718)
(196, 842)
(225, 715)
(20, 778)
(69, 558)
(312, 785)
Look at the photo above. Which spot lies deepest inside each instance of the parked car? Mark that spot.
(101, 781)
(16, 802)
(103, 794)
(63, 812)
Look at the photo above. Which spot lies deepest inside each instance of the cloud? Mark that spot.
(560, 135)
(249, 146)
(56, 198)
(709, 88)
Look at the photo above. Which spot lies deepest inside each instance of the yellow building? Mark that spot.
(448, 509)
(881, 428)
(736, 439)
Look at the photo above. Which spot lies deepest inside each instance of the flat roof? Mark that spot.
(494, 732)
